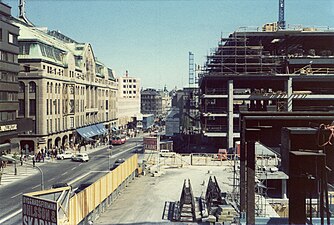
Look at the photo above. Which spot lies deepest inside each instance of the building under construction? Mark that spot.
(265, 70)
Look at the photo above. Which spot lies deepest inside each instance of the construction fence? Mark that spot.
(194, 159)
(94, 199)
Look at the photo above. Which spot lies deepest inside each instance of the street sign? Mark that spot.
(150, 143)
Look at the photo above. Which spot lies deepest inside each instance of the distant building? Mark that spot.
(173, 122)
(151, 102)
(10, 125)
(186, 101)
(128, 100)
(148, 121)
(166, 102)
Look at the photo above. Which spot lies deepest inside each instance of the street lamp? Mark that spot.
(40, 170)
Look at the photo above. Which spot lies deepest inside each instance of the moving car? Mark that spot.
(82, 187)
(65, 155)
(80, 157)
(117, 163)
(60, 185)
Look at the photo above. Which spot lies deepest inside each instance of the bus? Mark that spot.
(118, 140)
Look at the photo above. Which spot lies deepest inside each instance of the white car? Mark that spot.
(65, 155)
(81, 157)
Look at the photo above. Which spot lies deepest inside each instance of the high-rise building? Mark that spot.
(10, 126)
(128, 100)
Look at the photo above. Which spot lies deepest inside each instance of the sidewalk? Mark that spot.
(25, 171)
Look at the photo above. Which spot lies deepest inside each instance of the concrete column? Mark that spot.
(284, 189)
(230, 115)
(26, 100)
(250, 198)
(289, 93)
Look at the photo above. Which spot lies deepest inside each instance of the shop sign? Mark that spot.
(36, 211)
(8, 127)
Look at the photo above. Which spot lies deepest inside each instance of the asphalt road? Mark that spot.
(64, 171)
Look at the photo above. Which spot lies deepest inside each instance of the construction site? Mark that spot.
(265, 94)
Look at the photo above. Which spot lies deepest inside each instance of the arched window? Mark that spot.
(21, 87)
(32, 87)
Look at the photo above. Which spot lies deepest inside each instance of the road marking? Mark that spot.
(79, 178)
(10, 216)
(64, 173)
(36, 186)
(73, 168)
(17, 195)
(52, 179)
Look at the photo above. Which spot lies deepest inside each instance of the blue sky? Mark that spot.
(151, 39)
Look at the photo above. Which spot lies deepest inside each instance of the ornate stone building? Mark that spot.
(70, 96)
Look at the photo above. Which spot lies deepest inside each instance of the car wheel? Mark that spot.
(62, 157)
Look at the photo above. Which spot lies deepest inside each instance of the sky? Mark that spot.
(151, 39)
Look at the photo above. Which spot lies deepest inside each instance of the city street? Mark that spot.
(64, 171)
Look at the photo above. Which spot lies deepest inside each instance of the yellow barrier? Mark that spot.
(86, 201)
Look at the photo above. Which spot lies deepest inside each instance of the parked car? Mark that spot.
(65, 155)
(80, 157)
(117, 163)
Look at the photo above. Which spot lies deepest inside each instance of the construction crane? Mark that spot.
(281, 21)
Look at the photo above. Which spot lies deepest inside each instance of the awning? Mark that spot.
(102, 129)
(87, 132)
(84, 132)
(96, 129)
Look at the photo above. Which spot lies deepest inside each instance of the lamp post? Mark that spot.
(42, 174)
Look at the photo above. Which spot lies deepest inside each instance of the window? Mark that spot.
(50, 104)
(24, 49)
(0, 34)
(32, 107)
(21, 87)
(50, 125)
(71, 122)
(58, 106)
(47, 106)
(10, 38)
(47, 126)
(32, 87)
(21, 107)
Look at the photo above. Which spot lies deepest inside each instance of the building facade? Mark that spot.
(128, 100)
(151, 102)
(69, 95)
(10, 125)
(285, 70)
